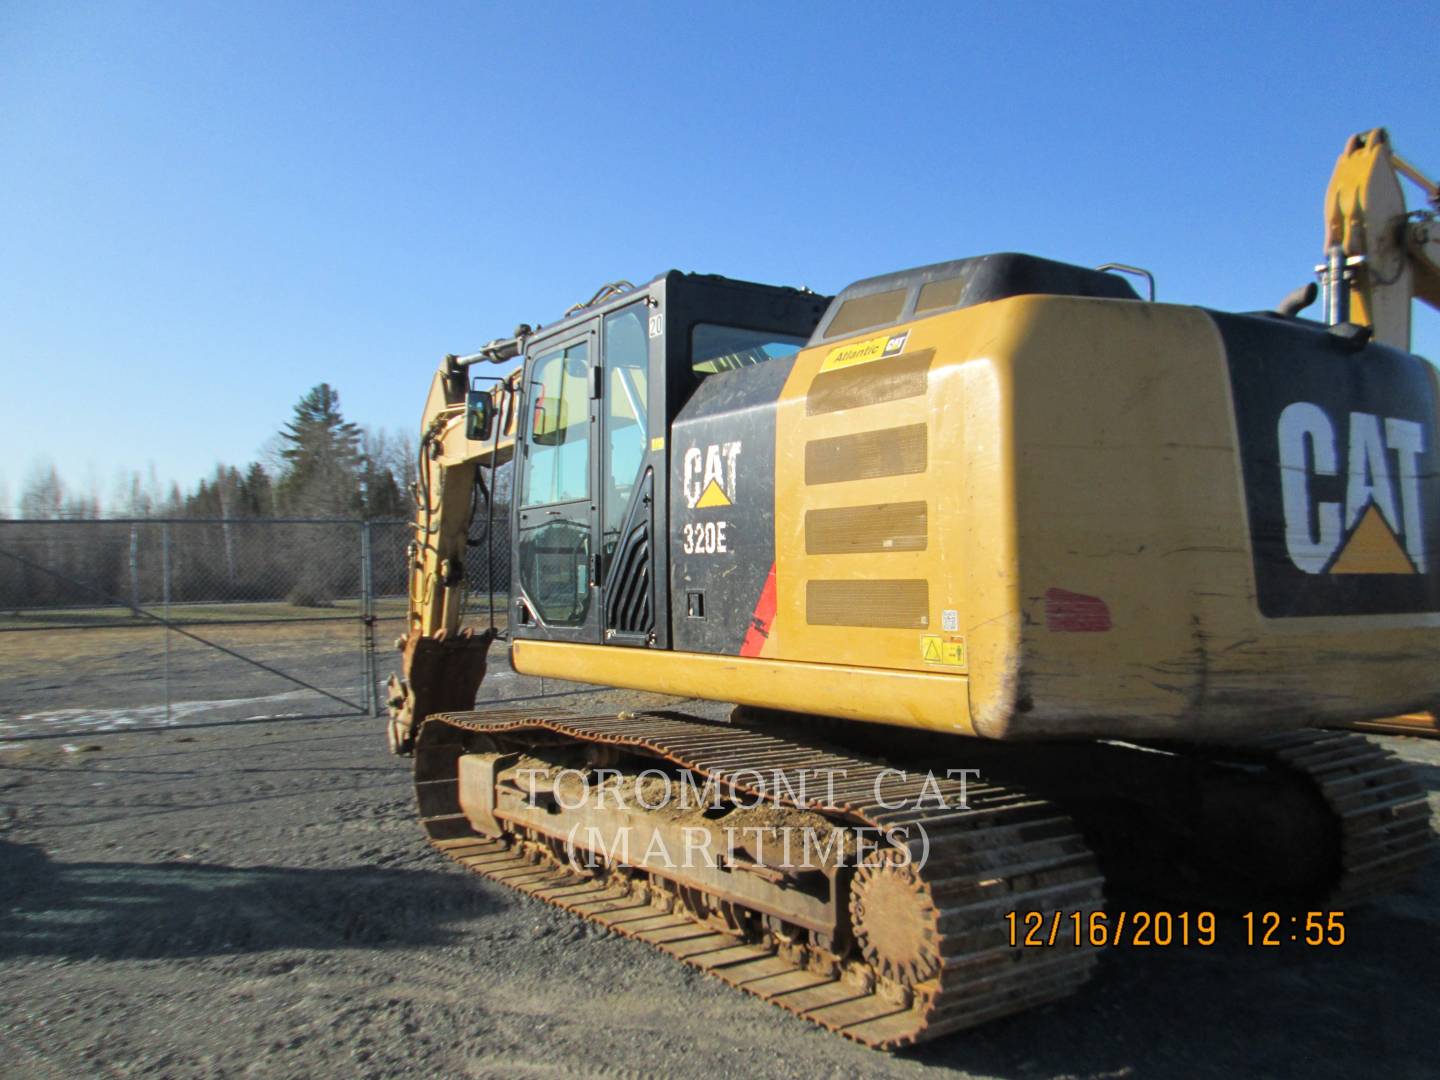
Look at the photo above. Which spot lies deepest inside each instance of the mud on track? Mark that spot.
(256, 900)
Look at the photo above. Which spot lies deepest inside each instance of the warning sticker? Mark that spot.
(863, 352)
(937, 650)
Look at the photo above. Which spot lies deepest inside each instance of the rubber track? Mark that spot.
(1378, 802)
(1008, 852)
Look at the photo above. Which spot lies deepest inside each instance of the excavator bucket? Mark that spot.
(1416, 723)
(438, 674)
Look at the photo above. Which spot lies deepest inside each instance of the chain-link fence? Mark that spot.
(110, 625)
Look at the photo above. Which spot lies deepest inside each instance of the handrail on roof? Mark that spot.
(609, 289)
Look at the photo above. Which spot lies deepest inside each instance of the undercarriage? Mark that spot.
(866, 886)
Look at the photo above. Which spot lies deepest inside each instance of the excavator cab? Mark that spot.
(599, 392)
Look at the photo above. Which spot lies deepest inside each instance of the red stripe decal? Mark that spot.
(759, 630)
(1074, 612)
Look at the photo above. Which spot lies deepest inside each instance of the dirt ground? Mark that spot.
(255, 899)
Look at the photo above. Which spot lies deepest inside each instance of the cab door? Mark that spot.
(557, 538)
(631, 400)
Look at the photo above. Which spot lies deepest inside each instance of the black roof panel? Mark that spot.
(980, 279)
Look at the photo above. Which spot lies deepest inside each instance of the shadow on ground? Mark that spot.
(106, 910)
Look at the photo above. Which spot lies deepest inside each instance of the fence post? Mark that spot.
(134, 565)
(371, 699)
(165, 605)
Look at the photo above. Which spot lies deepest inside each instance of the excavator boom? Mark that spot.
(1379, 256)
(465, 433)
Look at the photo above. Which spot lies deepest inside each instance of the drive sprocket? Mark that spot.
(896, 921)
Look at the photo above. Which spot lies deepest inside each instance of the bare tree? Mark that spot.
(43, 496)
(406, 445)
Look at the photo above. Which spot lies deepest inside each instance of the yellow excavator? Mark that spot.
(1379, 257)
(1017, 583)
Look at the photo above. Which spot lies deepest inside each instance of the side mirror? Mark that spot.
(479, 415)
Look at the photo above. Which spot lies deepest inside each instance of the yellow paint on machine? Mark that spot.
(907, 699)
(1086, 446)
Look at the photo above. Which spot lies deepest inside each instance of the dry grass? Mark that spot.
(194, 614)
(126, 649)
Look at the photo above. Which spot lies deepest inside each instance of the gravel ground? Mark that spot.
(256, 900)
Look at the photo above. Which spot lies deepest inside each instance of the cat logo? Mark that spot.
(1377, 529)
(710, 475)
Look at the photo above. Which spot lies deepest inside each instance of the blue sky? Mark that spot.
(207, 208)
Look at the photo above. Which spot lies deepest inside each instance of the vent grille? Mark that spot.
(897, 451)
(878, 528)
(902, 603)
(903, 376)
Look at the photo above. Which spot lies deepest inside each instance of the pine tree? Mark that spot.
(320, 450)
(255, 498)
(203, 502)
(382, 494)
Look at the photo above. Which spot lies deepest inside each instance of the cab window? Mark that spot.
(627, 364)
(715, 348)
(557, 461)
